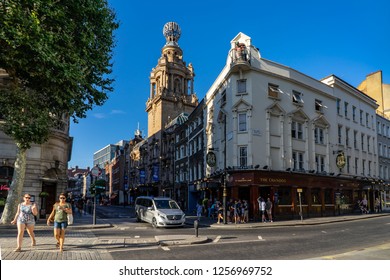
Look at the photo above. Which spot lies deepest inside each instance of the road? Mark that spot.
(277, 243)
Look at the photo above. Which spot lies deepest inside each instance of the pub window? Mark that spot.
(328, 196)
(284, 196)
(303, 197)
(316, 196)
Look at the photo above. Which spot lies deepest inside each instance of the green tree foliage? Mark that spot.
(55, 61)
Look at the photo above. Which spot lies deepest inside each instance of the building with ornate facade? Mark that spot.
(273, 132)
(171, 94)
(46, 168)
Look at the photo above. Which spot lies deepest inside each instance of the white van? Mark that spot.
(159, 211)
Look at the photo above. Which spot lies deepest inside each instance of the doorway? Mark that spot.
(47, 202)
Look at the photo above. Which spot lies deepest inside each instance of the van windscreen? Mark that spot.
(166, 204)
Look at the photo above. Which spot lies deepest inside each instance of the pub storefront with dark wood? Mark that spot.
(318, 195)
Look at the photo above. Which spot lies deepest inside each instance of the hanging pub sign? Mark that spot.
(340, 160)
(211, 159)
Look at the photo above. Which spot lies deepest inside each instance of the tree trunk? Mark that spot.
(16, 188)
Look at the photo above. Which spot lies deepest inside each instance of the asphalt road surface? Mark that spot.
(276, 243)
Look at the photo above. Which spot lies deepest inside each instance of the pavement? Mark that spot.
(82, 244)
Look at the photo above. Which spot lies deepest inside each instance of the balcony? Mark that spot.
(240, 58)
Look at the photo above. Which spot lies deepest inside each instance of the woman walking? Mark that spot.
(24, 219)
(59, 214)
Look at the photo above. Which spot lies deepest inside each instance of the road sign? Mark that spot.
(95, 171)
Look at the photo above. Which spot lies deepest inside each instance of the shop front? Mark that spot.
(298, 194)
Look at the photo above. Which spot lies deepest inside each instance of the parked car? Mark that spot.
(159, 211)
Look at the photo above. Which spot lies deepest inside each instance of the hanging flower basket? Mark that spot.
(44, 194)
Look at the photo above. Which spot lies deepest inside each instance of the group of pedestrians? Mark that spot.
(25, 219)
(265, 208)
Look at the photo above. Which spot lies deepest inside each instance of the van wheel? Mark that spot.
(138, 218)
(154, 222)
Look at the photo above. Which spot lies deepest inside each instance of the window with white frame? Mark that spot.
(367, 119)
(378, 128)
(380, 149)
(242, 122)
(355, 139)
(298, 163)
(320, 163)
(338, 106)
(339, 134)
(223, 98)
(319, 135)
(384, 130)
(241, 86)
(363, 167)
(273, 91)
(318, 105)
(356, 166)
(361, 117)
(369, 168)
(297, 130)
(354, 113)
(362, 141)
(243, 156)
(297, 97)
(385, 150)
(381, 171)
(347, 137)
(348, 164)
(346, 109)
(368, 143)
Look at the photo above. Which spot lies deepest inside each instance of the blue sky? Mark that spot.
(347, 38)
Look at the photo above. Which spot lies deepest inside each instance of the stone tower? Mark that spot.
(171, 83)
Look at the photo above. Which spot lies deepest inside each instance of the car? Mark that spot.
(159, 211)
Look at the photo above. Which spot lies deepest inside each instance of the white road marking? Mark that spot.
(323, 231)
(165, 248)
(261, 238)
(137, 236)
(217, 239)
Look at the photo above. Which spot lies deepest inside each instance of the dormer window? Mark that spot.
(297, 97)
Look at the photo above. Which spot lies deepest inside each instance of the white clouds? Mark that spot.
(106, 115)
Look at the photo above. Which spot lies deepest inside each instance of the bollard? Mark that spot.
(196, 227)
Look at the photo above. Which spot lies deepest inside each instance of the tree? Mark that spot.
(57, 57)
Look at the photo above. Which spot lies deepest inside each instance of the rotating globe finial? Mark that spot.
(172, 32)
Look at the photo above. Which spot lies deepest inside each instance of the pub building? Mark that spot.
(321, 195)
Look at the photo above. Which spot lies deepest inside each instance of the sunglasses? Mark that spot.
(62, 197)
(27, 197)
